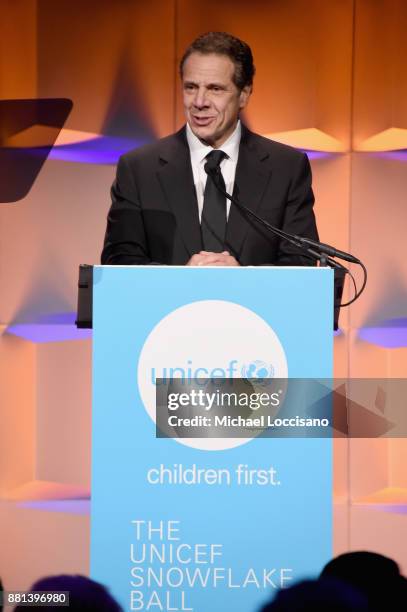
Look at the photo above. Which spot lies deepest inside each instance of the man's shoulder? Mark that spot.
(164, 147)
(277, 150)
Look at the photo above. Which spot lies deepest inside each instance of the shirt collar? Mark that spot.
(199, 150)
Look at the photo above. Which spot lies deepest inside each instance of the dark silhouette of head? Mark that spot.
(361, 567)
(375, 575)
(85, 595)
(324, 595)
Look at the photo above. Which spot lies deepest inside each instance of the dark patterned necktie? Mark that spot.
(213, 221)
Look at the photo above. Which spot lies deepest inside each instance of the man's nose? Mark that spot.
(201, 100)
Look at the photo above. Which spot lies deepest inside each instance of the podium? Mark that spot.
(214, 522)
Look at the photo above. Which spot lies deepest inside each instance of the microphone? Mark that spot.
(323, 254)
(305, 244)
(329, 250)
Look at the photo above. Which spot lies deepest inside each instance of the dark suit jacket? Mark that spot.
(154, 213)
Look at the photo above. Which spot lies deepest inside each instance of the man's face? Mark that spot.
(211, 99)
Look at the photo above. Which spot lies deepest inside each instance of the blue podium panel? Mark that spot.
(205, 523)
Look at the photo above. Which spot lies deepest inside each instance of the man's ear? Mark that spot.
(244, 96)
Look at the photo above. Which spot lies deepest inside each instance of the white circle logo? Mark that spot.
(208, 339)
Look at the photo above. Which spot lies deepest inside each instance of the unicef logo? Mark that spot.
(258, 370)
(210, 338)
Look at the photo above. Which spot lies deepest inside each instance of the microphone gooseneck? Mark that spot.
(318, 251)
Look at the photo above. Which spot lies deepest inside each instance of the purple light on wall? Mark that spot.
(400, 155)
(57, 327)
(388, 334)
(318, 154)
(68, 506)
(390, 508)
(102, 150)
(56, 318)
(106, 150)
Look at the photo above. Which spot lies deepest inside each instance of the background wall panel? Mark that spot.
(115, 60)
(18, 387)
(380, 82)
(378, 224)
(59, 225)
(18, 46)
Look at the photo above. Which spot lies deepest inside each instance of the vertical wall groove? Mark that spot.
(175, 26)
(349, 319)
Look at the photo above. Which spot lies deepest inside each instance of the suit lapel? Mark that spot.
(252, 176)
(176, 179)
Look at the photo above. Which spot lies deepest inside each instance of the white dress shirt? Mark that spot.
(199, 151)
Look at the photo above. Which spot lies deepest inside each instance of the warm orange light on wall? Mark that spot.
(391, 496)
(392, 139)
(46, 490)
(309, 139)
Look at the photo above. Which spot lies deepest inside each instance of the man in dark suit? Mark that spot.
(166, 210)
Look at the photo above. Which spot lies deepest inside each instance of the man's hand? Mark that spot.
(205, 258)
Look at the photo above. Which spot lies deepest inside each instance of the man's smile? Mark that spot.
(202, 120)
